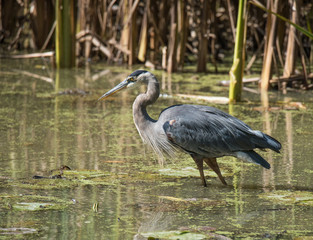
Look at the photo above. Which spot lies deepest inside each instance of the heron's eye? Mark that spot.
(131, 79)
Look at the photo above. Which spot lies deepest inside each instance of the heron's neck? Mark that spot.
(141, 118)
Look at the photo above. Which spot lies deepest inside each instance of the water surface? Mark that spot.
(121, 190)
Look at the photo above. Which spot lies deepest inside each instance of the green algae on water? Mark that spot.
(188, 172)
(290, 197)
(182, 235)
(67, 179)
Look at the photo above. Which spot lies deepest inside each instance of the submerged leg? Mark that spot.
(199, 162)
(211, 162)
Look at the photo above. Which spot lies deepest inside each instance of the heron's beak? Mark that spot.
(116, 89)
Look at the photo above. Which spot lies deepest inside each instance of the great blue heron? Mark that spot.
(205, 133)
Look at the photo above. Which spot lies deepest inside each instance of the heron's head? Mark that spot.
(138, 76)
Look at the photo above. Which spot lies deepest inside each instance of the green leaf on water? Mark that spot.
(27, 202)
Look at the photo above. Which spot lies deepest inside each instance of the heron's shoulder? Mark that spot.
(187, 109)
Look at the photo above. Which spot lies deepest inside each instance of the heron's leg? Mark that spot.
(199, 162)
(211, 162)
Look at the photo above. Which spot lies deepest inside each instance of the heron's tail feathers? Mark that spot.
(263, 141)
(252, 156)
(272, 143)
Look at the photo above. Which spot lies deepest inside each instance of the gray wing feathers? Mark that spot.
(207, 130)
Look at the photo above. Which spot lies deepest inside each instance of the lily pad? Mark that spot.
(289, 197)
(33, 202)
(33, 206)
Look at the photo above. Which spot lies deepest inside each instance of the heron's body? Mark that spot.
(205, 133)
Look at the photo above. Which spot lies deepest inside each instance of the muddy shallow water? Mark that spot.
(117, 188)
